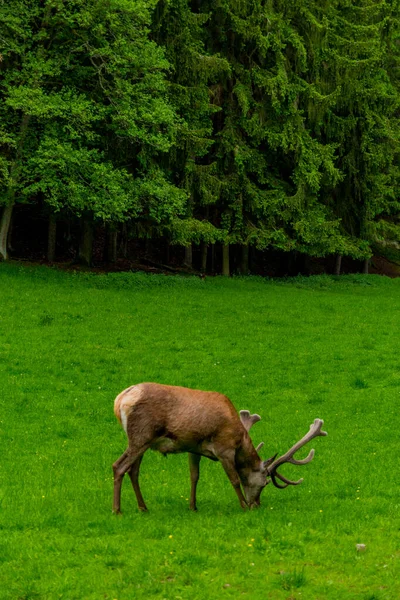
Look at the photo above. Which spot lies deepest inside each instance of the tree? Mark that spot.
(180, 27)
(269, 166)
(85, 112)
(353, 105)
(266, 124)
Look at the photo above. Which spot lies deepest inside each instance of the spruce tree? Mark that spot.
(270, 165)
(353, 105)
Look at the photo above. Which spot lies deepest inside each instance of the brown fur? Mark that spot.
(127, 398)
(174, 419)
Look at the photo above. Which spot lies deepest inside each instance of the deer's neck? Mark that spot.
(246, 455)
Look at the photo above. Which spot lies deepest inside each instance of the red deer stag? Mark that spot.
(174, 419)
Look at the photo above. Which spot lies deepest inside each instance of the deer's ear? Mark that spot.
(247, 419)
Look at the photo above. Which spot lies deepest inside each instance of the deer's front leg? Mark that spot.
(228, 463)
(194, 466)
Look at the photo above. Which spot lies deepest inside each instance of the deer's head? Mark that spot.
(255, 474)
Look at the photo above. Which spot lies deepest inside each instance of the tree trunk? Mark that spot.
(86, 243)
(212, 258)
(10, 194)
(167, 252)
(10, 232)
(4, 230)
(188, 260)
(51, 239)
(112, 239)
(225, 260)
(366, 266)
(204, 251)
(338, 264)
(244, 260)
(124, 241)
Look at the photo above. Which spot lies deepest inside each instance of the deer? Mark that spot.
(173, 419)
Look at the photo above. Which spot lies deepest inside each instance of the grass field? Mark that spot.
(289, 350)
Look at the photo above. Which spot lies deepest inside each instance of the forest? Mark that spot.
(226, 136)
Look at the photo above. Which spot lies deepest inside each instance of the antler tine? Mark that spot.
(260, 445)
(315, 430)
(285, 480)
(303, 461)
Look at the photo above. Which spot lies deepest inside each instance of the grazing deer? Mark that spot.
(174, 419)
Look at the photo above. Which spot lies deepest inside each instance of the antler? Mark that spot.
(271, 469)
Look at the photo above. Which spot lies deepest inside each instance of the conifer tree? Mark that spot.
(180, 28)
(270, 166)
(255, 122)
(354, 105)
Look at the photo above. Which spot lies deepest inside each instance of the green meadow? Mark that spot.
(289, 350)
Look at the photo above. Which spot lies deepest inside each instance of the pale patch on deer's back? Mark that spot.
(125, 401)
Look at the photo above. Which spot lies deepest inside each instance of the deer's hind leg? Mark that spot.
(134, 477)
(141, 430)
(129, 460)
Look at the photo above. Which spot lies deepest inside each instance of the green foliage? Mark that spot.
(195, 230)
(362, 123)
(162, 200)
(81, 179)
(85, 111)
(273, 124)
(271, 169)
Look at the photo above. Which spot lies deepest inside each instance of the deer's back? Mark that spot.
(176, 412)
